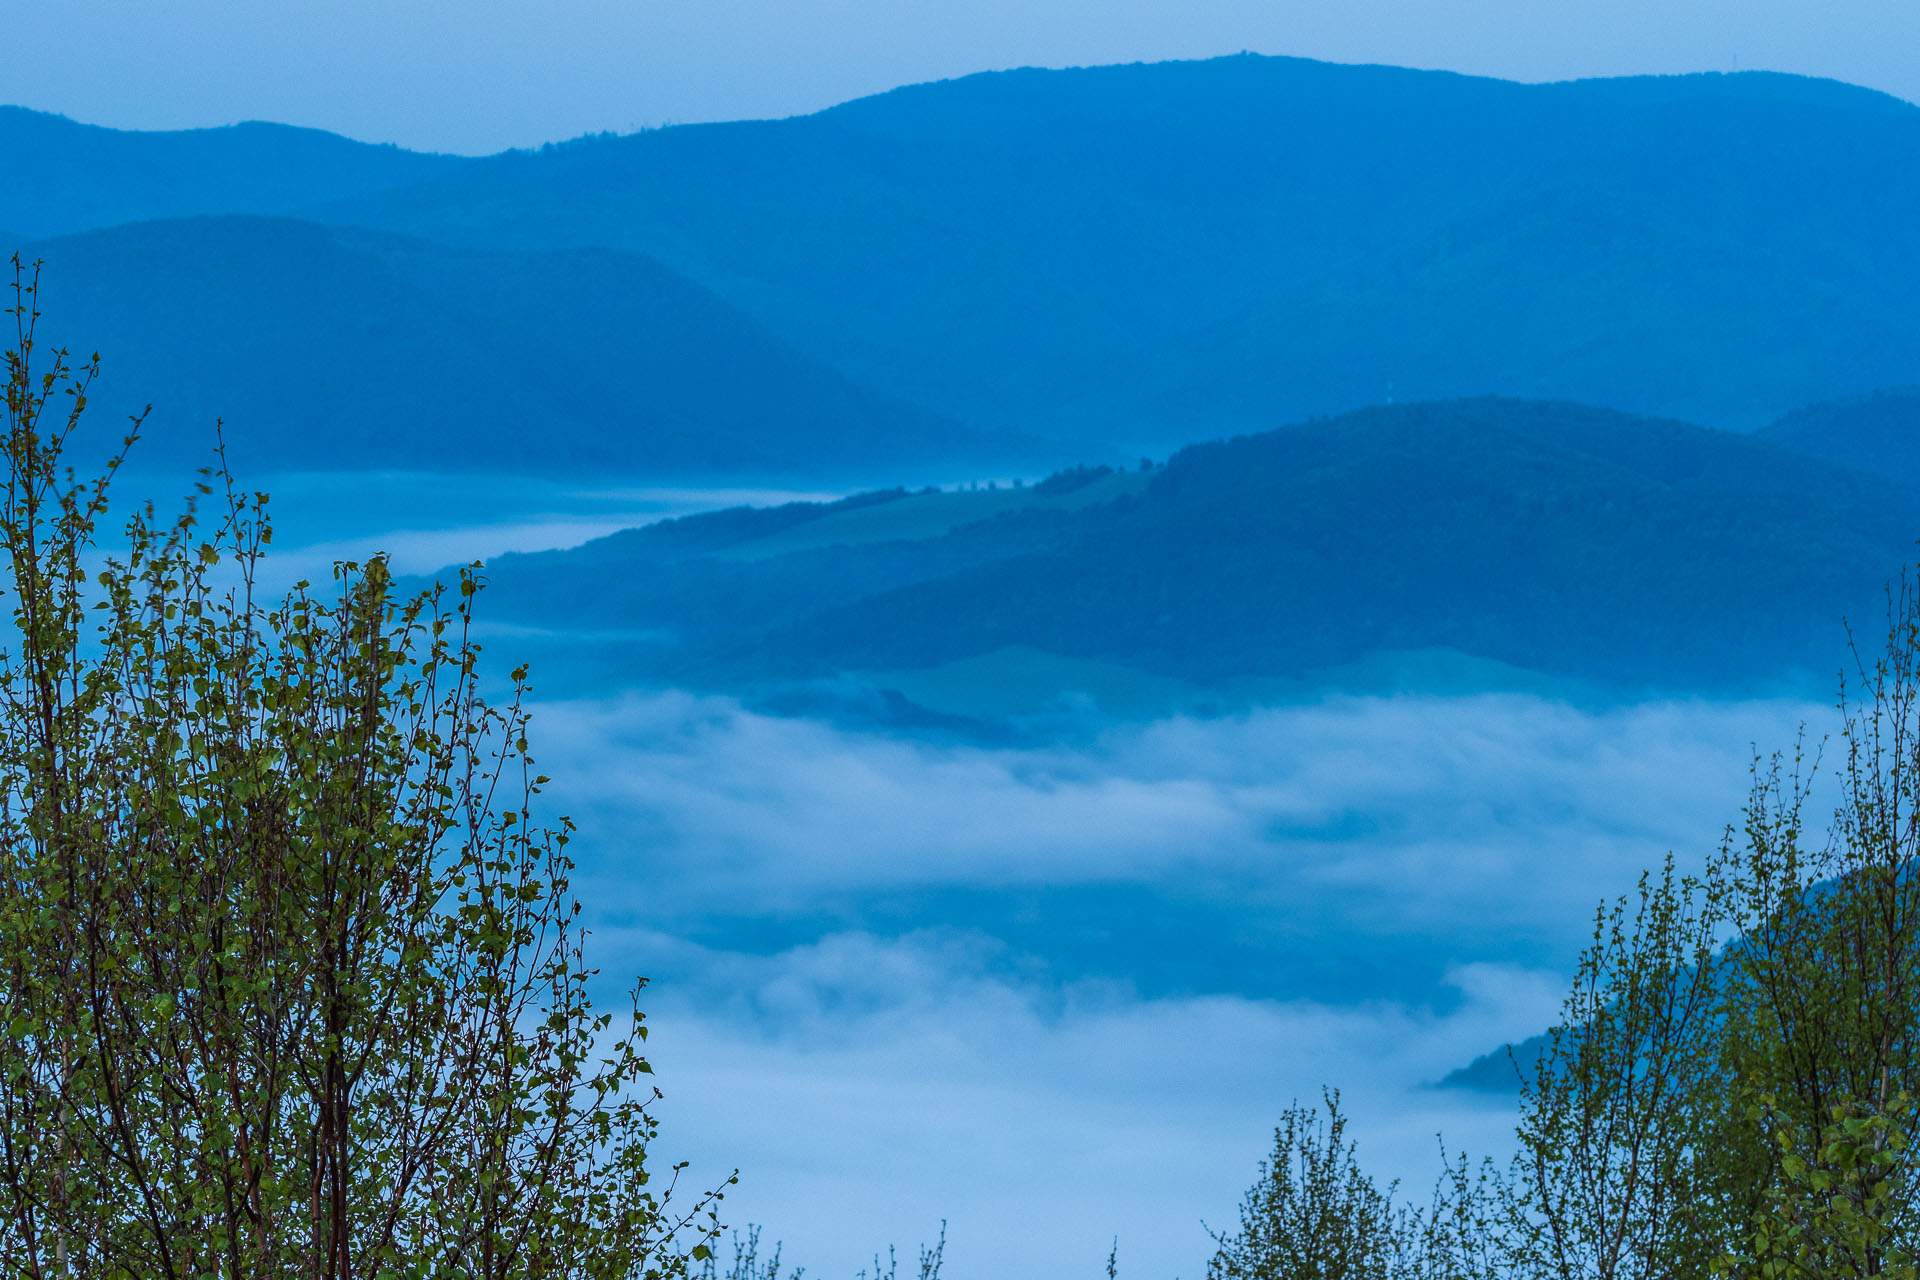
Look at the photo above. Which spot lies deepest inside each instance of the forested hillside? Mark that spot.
(1878, 432)
(1133, 258)
(70, 177)
(1162, 253)
(349, 350)
(1633, 553)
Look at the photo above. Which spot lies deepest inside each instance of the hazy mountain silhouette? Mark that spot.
(1155, 254)
(69, 177)
(1631, 552)
(338, 349)
(1182, 250)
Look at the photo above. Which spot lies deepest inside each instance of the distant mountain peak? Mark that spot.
(1155, 253)
(90, 176)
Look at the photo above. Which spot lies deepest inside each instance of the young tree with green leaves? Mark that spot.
(1820, 1048)
(1729, 1088)
(1838, 1205)
(292, 979)
(1314, 1214)
(1610, 1173)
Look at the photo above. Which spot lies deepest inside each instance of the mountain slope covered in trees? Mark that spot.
(1628, 552)
(1877, 432)
(71, 177)
(341, 350)
(1169, 252)
(1137, 256)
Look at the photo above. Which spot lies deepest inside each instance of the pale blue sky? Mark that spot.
(479, 75)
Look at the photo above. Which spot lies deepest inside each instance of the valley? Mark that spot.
(1071, 608)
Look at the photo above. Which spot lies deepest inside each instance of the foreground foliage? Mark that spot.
(292, 980)
(1731, 1089)
(1314, 1214)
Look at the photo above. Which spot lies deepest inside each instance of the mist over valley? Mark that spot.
(1073, 608)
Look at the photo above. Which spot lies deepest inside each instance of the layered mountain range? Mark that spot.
(1125, 258)
(1635, 351)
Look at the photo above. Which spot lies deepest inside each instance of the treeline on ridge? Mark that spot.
(1629, 552)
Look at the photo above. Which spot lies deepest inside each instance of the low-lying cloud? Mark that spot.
(1465, 817)
(869, 1088)
(1060, 993)
(424, 522)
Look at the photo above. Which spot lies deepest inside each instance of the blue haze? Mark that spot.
(1052, 978)
(944, 278)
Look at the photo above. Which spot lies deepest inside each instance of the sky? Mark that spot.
(476, 76)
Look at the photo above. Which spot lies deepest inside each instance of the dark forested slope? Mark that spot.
(1633, 552)
(336, 349)
(1183, 250)
(1878, 432)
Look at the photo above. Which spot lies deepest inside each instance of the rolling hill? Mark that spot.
(1878, 432)
(70, 177)
(334, 349)
(1629, 553)
(1156, 254)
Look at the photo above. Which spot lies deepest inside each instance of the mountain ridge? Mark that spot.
(1633, 554)
(339, 349)
(1165, 252)
(87, 177)
(1878, 431)
(1147, 255)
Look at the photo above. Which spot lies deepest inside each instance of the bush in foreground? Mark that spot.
(1731, 1090)
(292, 980)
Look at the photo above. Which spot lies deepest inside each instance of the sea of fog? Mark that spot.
(1056, 993)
